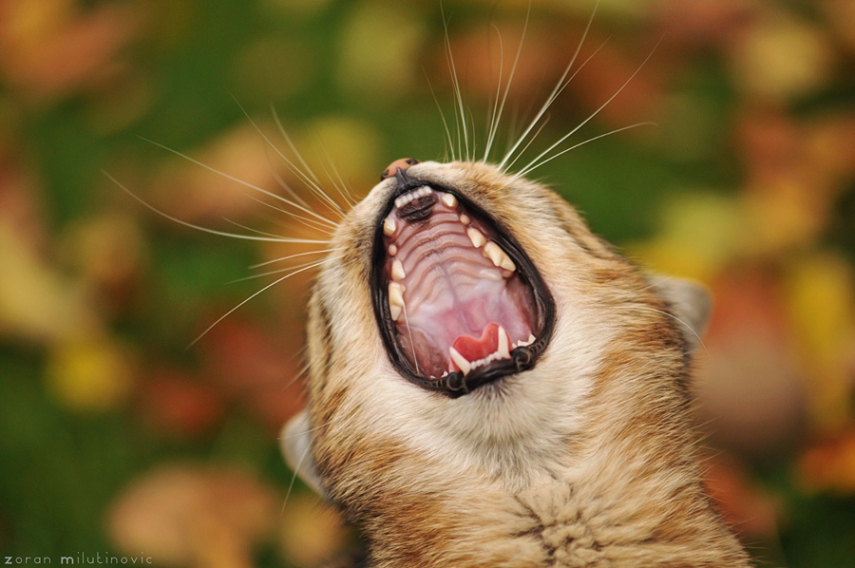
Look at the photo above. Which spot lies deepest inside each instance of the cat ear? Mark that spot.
(690, 302)
(296, 446)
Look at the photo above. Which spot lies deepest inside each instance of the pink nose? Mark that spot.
(402, 164)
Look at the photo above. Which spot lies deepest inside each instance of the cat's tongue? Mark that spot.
(492, 344)
(474, 349)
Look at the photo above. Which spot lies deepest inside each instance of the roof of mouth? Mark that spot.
(452, 300)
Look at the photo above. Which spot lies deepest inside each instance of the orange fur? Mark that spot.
(588, 459)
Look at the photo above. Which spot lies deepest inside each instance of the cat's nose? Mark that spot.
(402, 164)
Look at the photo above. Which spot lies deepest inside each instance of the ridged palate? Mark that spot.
(448, 279)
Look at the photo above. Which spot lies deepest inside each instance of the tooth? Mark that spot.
(398, 270)
(393, 250)
(389, 227)
(449, 200)
(503, 351)
(396, 299)
(495, 253)
(460, 360)
(529, 341)
(476, 237)
(464, 219)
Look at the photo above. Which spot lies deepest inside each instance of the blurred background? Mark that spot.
(116, 438)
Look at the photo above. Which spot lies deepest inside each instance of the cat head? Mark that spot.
(468, 315)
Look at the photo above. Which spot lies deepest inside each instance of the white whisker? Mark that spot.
(306, 169)
(559, 87)
(303, 176)
(295, 269)
(212, 231)
(242, 182)
(294, 477)
(272, 284)
(449, 143)
(460, 111)
(601, 107)
(340, 186)
(533, 165)
(295, 255)
(670, 315)
(410, 333)
(497, 113)
(307, 221)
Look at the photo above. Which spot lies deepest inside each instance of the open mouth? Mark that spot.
(458, 302)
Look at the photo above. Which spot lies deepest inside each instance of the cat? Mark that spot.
(491, 384)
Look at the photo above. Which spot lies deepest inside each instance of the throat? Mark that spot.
(550, 524)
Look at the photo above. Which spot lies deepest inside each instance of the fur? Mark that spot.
(587, 460)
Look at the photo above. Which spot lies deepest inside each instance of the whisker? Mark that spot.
(497, 115)
(340, 186)
(559, 87)
(409, 333)
(242, 182)
(544, 118)
(305, 178)
(449, 144)
(533, 165)
(252, 230)
(307, 170)
(295, 255)
(294, 478)
(307, 221)
(297, 268)
(460, 111)
(601, 107)
(206, 229)
(272, 284)
(531, 140)
(281, 181)
(687, 326)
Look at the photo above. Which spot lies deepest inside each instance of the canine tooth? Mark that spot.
(393, 250)
(499, 258)
(464, 219)
(527, 342)
(396, 299)
(389, 227)
(449, 200)
(503, 350)
(476, 237)
(396, 293)
(460, 360)
(398, 270)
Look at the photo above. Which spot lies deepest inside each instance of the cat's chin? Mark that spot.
(458, 301)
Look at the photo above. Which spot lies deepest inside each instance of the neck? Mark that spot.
(628, 493)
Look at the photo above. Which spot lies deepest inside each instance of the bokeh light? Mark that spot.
(122, 434)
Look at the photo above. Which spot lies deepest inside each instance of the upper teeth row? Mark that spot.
(410, 195)
(494, 252)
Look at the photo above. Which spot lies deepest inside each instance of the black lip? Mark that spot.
(456, 384)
